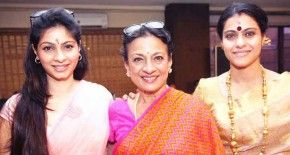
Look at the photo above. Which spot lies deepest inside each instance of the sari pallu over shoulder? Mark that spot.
(176, 123)
(249, 118)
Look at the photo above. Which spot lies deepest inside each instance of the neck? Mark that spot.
(60, 87)
(245, 79)
(251, 74)
(145, 100)
(148, 98)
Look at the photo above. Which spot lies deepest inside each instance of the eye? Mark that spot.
(47, 48)
(158, 58)
(138, 59)
(68, 47)
(249, 34)
(230, 36)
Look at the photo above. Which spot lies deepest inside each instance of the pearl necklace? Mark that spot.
(231, 112)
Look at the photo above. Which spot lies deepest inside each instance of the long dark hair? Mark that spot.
(252, 10)
(29, 119)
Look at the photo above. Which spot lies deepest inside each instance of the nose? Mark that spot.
(59, 55)
(149, 67)
(240, 41)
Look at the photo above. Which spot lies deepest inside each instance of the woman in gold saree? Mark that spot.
(251, 104)
(161, 120)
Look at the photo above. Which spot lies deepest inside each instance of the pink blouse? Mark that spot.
(121, 118)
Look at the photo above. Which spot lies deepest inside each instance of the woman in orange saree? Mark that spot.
(161, 119)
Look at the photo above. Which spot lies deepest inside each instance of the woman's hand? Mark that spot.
(130, 96)
(132, 100)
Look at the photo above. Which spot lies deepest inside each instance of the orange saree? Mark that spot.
(176, 123)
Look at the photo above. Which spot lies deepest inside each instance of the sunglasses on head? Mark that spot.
(133, 28)
(41, 12)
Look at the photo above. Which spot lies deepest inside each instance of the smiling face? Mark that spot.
(148, 64)
(58, 53)
(242, 41)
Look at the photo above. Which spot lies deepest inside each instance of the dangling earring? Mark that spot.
(80, 58)
(170, 70)
(36, 60)
(267, 41)
(128, 74)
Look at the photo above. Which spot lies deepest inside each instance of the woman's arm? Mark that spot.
(5, 130)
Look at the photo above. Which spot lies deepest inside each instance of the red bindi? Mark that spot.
(239, 28)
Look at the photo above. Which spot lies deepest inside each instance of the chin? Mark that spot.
(61, 78)
(152, 90)
(241, 65)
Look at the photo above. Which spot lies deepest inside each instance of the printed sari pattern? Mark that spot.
(176, 124)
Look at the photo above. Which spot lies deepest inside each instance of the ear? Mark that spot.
(266, 40)
(80, 45)
(34, 50)
(127, 68)
(221, 45)
(170, 61)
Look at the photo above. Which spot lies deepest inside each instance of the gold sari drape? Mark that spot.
(248, 109)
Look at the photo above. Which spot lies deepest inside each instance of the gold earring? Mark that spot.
(36, 60)
(128, 74)
(267, 41)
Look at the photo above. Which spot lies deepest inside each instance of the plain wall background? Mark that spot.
(17, 16)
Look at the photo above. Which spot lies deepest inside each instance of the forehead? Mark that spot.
(58, 32)
(243, 20)
(147, 44)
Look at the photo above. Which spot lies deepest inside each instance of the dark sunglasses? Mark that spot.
(41, 12)
(133, 28)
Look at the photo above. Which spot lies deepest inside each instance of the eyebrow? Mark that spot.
(50, 43)
(247, 29)
(142, 53)
(46, 43)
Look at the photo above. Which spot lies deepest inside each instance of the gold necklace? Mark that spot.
(265, 112)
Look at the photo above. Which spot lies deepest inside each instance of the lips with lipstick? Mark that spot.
(149, 79)
(241, 52)
(60, 68)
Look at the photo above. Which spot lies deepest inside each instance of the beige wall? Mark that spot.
(122, 19)
(117, 16)
(14, 19)
(17, 16)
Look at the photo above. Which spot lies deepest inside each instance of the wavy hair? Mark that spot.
(29, 119)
